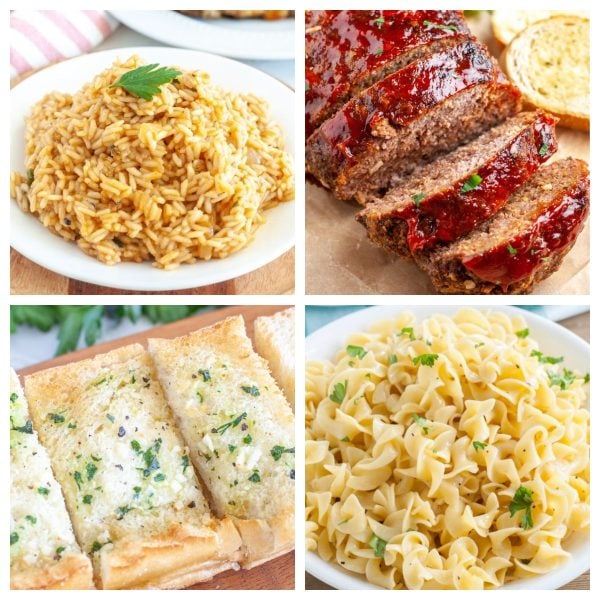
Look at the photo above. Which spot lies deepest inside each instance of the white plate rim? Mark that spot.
(185, 30)
(144, 277)
(333, 334)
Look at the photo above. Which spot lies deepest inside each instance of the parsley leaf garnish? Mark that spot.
(278, 451)
(255, 477)
(358, 351)
(470, 184)
(479, 445)
(425, 359)
(145, 81)
(378, 545)
(392, 359)
(233, 423)
(27, 428)
(436, 26)
(417, 198)
(564, 380)
(420, 421)
(409, 331)
(522, 500)
(550, 360)
(251, 389)
(543, 149)
(339, 392)
(523, 333)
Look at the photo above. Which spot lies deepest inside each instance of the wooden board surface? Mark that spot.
(277, 574)
(341, 260)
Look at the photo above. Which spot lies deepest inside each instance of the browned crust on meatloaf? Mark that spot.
(507, 153)
(395, 146)
(445, 264)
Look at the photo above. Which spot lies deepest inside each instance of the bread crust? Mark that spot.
(72, 572)
(182, 544)
(264, 536)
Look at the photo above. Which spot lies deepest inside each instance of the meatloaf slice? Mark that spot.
(523, 243)
(431, 106)
(447, 198)
(349, 50)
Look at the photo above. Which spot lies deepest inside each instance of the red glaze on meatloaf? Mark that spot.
(431, 106)
(539, 224)
(448, 198)
(348, 50)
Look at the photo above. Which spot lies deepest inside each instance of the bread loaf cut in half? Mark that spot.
(44, 554)
(274, 340)
(135, 503)
(550, 63)
(429, 107)
(507, 24)
(447, 198)
(349, 50)
(523, 243)
(240, 431)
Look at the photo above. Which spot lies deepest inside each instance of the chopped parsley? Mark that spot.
(231, 448)
(150, 459)
(90, 470)
(378, 545)
(425, 359)
(205, 374)
(43, 491)
(185, 462)
(278, 451)
(549, 360)
(78, 479)
(110, 418)
(417, 198)
(122, 511)
(522, 500)
(523, 333)
(247, 439)
(339, 392)
(56, 418)
(145, 81)
(160, 477)
(479, 445)
(511, 250)
(392, 359)
(586, 379)
(543, 149)
(563, 380)
(29, 174)
(31, 519)
(60, 550)
(357, 351)
(470, 184)
(14, 537)
(14, 397)
(255, 477)
(431, 25)
(379, 22)
(233, 424)
(27, 428)
(409, 331)
(251, 389)
(420, 421)
(136, 446)
(200, 396)
(378, 52)
(345, 439)
(87, 499)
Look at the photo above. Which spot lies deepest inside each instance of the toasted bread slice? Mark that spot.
(507, 24)
(274, 340)
(43, 552)
(134, 500)
(550, 63)
(240, 431)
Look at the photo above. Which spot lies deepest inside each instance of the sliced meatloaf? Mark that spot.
(408, 118)
(523, 243)
(349, 50)
(447, 198)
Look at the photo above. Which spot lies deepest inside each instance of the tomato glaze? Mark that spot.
(403, 96)
(553, 230)
(449, 214)
(345, 47)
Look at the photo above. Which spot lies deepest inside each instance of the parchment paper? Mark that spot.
(341, 260)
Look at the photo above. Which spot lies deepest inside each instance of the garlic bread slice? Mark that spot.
(134, 499)
(43, 552)
(240, 431)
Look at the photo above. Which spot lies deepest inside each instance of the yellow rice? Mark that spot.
(184, 176)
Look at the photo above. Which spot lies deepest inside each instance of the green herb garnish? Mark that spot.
(479, 445)
(31, 519)
(357, 351)
(144, 82)
(345, 439)
(78, 479)
(379, 22)
(60, 550)
(251, 389)
(409, 331)
(563, 380)
(278, 451)
(87, 499)
(56, 418)
(90, 470)
(339, 392)
(160, 477)
(523, 333)
(29, 174)
(522, 500)
(392, 359)
(378, 545)
(437, 26)
(378, 52)
(420, 421)
(43, 491)
(27, 428)
(425, 359)
(470, 184)
(543, 150)
(550, 360)
(14, 537)
(205, 374)
(417, 198)
(122, 511)
(512, 251)
(14, 397)
(185, 462)
(247, 439)
(234, 423)
(136, 446)
(586, 379)
(150, 459)
(255, 477)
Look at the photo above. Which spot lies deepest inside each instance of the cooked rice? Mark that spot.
(181, 177)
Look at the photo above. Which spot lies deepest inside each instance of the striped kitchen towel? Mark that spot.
(41, 37)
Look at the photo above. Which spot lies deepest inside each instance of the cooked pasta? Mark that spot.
(448, 455)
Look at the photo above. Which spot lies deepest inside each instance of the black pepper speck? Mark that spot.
(122, 431)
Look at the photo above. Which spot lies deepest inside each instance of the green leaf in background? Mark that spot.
(73, 321)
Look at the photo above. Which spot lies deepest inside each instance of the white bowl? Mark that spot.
(33, 240)
(552, 338)
(238, 38)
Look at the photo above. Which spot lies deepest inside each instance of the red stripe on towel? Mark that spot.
(99, 20)
(18, 62)
(31, 33)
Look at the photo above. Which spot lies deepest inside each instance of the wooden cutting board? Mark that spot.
(277, 574)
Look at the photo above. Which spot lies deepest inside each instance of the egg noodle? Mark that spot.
(447, 455)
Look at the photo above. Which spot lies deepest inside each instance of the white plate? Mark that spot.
(33, 240)
(238, 38)
(553, 339)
